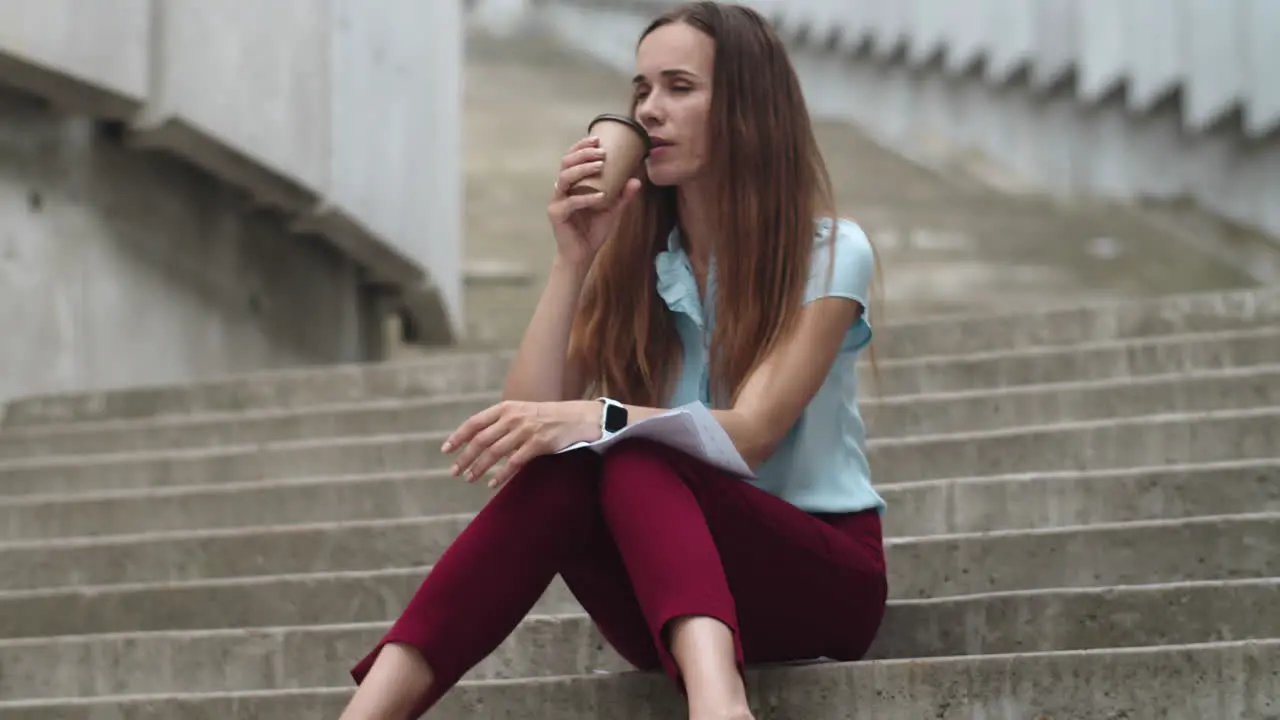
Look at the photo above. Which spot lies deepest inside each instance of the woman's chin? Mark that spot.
(663, 177)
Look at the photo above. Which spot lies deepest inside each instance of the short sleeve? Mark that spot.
(845, 273)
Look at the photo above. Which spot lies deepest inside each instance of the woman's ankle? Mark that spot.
(395, 684)
(704, 650)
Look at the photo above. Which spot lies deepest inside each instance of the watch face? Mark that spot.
(615, 418)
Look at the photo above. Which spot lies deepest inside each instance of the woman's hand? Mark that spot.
(520, 432)
(582, 222)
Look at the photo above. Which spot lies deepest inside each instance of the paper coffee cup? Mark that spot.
(626, 144)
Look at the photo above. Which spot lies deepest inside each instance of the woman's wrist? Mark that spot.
(573, 270)
(589, 414)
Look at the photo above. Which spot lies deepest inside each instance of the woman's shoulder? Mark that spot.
(852, 247)
(843, 261)
(846, 233)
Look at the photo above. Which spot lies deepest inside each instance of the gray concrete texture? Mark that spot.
(348, 122)
(888, 417)
(1095, 444)
(555, 645)
(469, 372)
(966, 505)
(1232, 546)
(124, 268)
(907, 415)
(1057, 104)
(1226, 679)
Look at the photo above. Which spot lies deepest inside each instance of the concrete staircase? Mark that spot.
(1084, 522)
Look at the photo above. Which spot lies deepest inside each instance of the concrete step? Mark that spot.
(1085, 323)
(1091, 445)
(1209, 680)
(1095, 361)
(933, 506)
(1035, 405)
(246, 602)
(212, 430)
(1124, 442)
(547, 646)
(455, 373)
(358, 545)
(987, 408)
(443, 373)
(1072, 498)
(58, 589)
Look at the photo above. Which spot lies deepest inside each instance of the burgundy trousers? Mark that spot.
(642, 536)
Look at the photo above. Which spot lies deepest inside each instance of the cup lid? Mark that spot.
(629, 121)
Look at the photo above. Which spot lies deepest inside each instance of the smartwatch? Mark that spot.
(613, 417)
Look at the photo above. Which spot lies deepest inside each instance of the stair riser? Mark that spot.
(476, 373)
(570, 645)
(1073, 326)
(426, 415)
(1211, 549)
(1010, 409)
(1079, 364)
(1216, 681)
(930, 509)
(467, 373)
(1243, 435)
(1103, 445)
(248, 603)
(890, 417)
(1043, 501)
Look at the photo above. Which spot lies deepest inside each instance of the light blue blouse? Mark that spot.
(821, 464)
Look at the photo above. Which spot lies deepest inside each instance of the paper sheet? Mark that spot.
(690, 428)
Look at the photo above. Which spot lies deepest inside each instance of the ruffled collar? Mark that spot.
(676, 284)
(679, 289)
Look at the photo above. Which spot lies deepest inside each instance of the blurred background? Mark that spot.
(189, 189)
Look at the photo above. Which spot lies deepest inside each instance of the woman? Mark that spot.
(717, 279)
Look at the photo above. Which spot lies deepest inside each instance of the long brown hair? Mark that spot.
(771, 183)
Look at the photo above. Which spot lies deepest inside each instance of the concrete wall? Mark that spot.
(1158, 99)
(124, 268)
(1163, 99)
(345, 114)
(338, 119)
(94, 57)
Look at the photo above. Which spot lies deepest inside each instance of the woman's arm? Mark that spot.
(540, 371)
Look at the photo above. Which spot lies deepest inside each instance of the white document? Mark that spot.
(689, 428)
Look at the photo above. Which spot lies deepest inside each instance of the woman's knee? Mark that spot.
(627, 454)
(635, 464)
(554, 485)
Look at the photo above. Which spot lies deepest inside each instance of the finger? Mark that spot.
(480, 443)
(568, 177)
(470, 427)
(503, 447)
(586, 142)
(629, 193)
(581, 155)
(588, 148)
(521, 457)
(566, 206)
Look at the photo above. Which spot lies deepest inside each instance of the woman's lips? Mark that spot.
(659, 150)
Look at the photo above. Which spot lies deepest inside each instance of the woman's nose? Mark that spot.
(647, 113)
